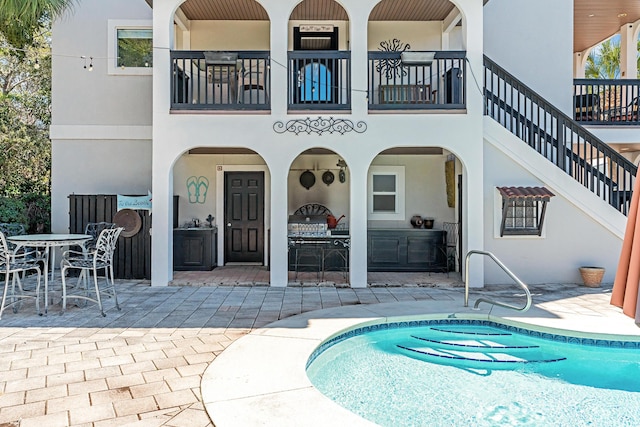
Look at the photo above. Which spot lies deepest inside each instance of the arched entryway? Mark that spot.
(318, 223)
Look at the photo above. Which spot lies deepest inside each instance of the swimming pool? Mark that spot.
(460, 372)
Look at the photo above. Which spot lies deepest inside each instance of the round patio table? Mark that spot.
(48, 241)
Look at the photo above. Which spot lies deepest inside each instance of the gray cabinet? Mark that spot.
(406, 250)
(194, 249)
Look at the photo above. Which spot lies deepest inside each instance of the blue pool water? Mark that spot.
(478, 373)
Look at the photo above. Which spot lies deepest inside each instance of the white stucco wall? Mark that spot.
(96, 167)
(571, 238)
(230, 35)
(420, 35)
(93, 97)
(533, 40)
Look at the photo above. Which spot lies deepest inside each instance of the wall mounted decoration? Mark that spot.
(449, 177)
(197, 187)
(307, 179)
(391, 68)
(328, 177)
(342, 176)
(320, 125)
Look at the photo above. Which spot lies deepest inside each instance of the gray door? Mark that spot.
(244, 217)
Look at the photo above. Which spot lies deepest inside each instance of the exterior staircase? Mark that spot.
(558, 138)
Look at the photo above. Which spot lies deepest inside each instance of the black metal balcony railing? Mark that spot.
(203, 80)
(416, 80)
(558, 137)
(614, 102)
(319, 80)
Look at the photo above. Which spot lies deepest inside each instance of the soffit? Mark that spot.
(605, 22)
(587, 30)
(316, 10)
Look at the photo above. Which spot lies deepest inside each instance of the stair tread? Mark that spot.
(473, 343)
(481, 356)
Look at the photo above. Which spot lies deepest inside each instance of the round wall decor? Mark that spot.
(328, 177)
(307, 179)
(130, 220)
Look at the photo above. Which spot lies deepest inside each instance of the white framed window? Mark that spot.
(386, 195)
(130, 49)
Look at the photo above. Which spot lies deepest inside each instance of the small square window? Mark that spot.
(386, 192)
(523, 210)
(134, 48)
(130, 47)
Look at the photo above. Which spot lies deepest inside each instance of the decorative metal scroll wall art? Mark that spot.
(392, 67)
(320, 126)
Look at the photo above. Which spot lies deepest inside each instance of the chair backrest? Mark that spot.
(452, 232)
(95, 228)
(12, 229)
(253, 75)
(106, 244)
(4, 252)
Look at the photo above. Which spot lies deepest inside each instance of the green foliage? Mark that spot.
(38, 211)
(31, 210)
(12, 210)
(25, 98)
(605, 62)
(22, 20)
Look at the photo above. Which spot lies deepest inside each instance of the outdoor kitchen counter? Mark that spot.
(406, 249)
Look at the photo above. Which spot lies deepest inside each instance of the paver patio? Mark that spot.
(142, 366)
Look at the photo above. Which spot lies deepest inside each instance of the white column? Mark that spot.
(358, 223)
(359, 62)
(579, 61)
(473, 215)
(629, 51)
(279, 266)
(162, 179)
(279, 12)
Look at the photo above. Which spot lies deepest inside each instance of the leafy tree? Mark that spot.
(21, 20)
(604, 63)
(25, 98)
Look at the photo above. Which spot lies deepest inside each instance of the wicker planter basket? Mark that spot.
(592, 276)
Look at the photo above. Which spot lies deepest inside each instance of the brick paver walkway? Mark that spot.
(142, 366)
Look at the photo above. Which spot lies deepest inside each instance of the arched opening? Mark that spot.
(416, 56)
(319, 57)
(318, 223)
(221, 61)
(420, 234)
(221, 213)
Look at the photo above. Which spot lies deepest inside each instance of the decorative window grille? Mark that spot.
(523, 210)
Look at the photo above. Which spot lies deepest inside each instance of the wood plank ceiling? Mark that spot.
(594, 20)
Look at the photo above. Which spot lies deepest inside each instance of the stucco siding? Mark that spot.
(96, 167)
(533, 40)
(571, 238)
(80, 96)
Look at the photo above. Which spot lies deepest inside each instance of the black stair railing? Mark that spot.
(558, 137)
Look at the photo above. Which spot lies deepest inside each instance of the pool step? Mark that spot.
(488, 355)
(490, 343)
(475, 345)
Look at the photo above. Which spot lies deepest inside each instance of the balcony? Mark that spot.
(607, 102)
(213, 80)
(319, 80)
(416, 80)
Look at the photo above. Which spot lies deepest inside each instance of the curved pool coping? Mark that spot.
(260, 379)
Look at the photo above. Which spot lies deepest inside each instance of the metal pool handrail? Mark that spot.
(488, 300)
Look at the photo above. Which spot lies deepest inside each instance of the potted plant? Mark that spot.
(591, 276)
